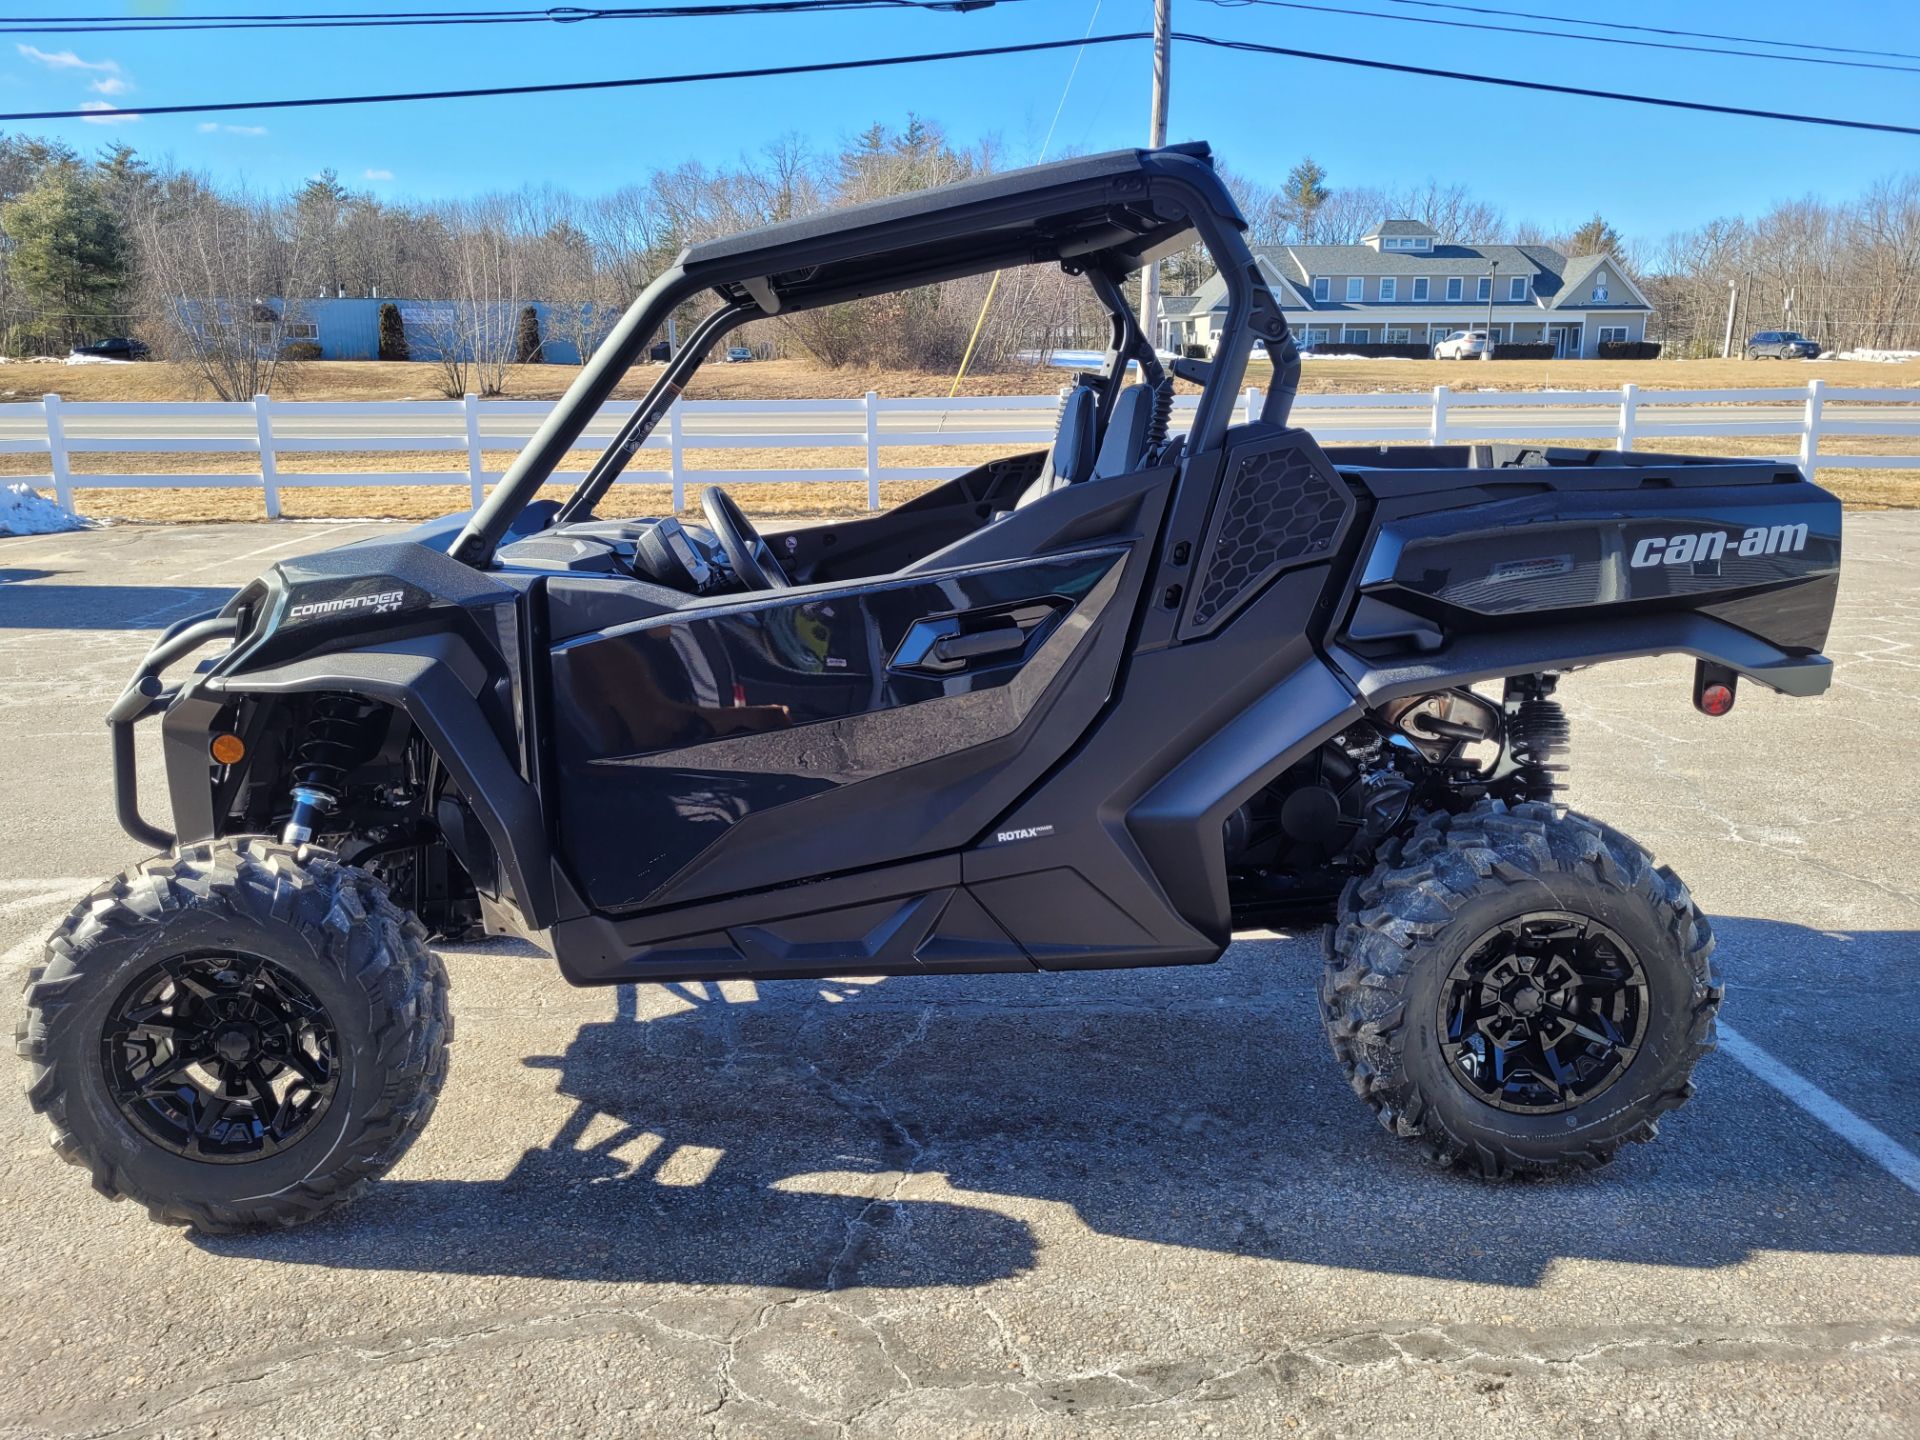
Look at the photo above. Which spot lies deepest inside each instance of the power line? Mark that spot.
(1656, 29)
(819, 67)
(1506, 82)
(388, 19)
(1563, 35)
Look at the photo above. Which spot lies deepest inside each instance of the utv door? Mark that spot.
(763, 739)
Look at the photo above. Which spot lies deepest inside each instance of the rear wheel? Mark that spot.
(237, 1035)
(1520, 990)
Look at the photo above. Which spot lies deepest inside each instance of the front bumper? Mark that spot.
(149, 695)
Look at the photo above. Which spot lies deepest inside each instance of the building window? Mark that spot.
(1389, 288)
(1315, 337)
(1419, 287)
(1354, 335)
(1397, 337)
(1611, 332)
(300, 330)
(1356, 288)
(1321, 288)
(1484, 289)
(1420, 242)
(1517, 288)
(1497, 334)
(1456, 287)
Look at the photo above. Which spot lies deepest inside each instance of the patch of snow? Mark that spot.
(95, 360)
(1884, 357)
(1348, 355)
(24, 511)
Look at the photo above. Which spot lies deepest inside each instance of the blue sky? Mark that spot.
(1548, 158)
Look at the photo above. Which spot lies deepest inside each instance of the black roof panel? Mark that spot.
(1091, 204)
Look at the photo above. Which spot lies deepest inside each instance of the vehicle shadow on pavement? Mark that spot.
(28, 604)
(761, 1142)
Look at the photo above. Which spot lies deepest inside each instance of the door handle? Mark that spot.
(963, 645)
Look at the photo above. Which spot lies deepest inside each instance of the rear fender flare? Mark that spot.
(1469, 659)
(436, 681)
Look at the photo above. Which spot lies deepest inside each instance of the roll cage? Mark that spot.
(1099, 216)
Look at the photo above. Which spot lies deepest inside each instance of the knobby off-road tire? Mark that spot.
(1400, 931)
(332, 936)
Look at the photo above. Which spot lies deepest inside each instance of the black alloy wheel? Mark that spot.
(1543, 1012)
(220, 1057)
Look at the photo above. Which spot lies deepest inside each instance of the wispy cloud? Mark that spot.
(377, 174)
(215, 127)
(67, 60)
(106, 114)
(107, 77)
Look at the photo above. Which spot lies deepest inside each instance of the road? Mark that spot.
(507, 430)
(1119, 1204)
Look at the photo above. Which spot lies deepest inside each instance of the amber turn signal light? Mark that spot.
(228, 749)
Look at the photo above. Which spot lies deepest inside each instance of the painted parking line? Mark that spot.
(1869, 1140)
(44, 898)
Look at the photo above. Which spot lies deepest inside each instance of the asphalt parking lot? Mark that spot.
(1134, 1203)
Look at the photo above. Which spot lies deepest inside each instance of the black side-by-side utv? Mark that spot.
(1093, 706)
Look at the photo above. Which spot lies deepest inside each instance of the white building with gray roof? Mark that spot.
(1403, 284)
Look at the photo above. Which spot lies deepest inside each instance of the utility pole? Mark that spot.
(1156, 137)
(1726, 344)
(1493, 271)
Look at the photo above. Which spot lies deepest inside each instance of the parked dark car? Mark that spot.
(1781, 345)
(117, 347)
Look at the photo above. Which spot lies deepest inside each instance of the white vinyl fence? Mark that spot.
(274, 429)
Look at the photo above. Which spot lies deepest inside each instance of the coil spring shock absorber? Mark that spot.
(1537, 734)
(331, 745)
(1162, 418)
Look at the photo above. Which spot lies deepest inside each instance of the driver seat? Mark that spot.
(1073, 458)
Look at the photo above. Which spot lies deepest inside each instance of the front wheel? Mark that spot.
(236, 1035)
(1520, 990)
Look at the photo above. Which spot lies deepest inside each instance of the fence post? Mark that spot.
(1810, 435)
(57, 452)
(676, 457)
(1437, 431)
(269, 465)
(1248, 398)
(873, 449)
(476, 465)
(1624, 440)
(1256, 401)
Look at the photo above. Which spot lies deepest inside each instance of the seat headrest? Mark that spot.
(1071, 459)
(1125, 444)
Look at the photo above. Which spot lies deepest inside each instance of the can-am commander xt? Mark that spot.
(1092, 706)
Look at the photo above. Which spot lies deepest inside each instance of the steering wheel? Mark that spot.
(752, 559)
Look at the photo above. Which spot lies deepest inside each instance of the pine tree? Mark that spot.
(1596, 237)
(1304, 192)
(69, 254)
(393, 333)
(526, 340)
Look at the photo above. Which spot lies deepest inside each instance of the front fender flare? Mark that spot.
(435, 681)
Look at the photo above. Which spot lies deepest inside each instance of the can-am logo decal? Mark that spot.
(382, 602)
(1695, 546)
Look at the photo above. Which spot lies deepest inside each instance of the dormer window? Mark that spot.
(1517, 288)
(1322, 288)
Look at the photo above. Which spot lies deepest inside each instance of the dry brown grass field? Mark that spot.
(792, 379)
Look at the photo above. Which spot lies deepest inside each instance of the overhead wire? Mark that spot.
(389, 19)
(1349, 12)
(818, 67)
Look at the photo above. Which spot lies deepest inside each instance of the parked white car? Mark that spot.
(1462, 345)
